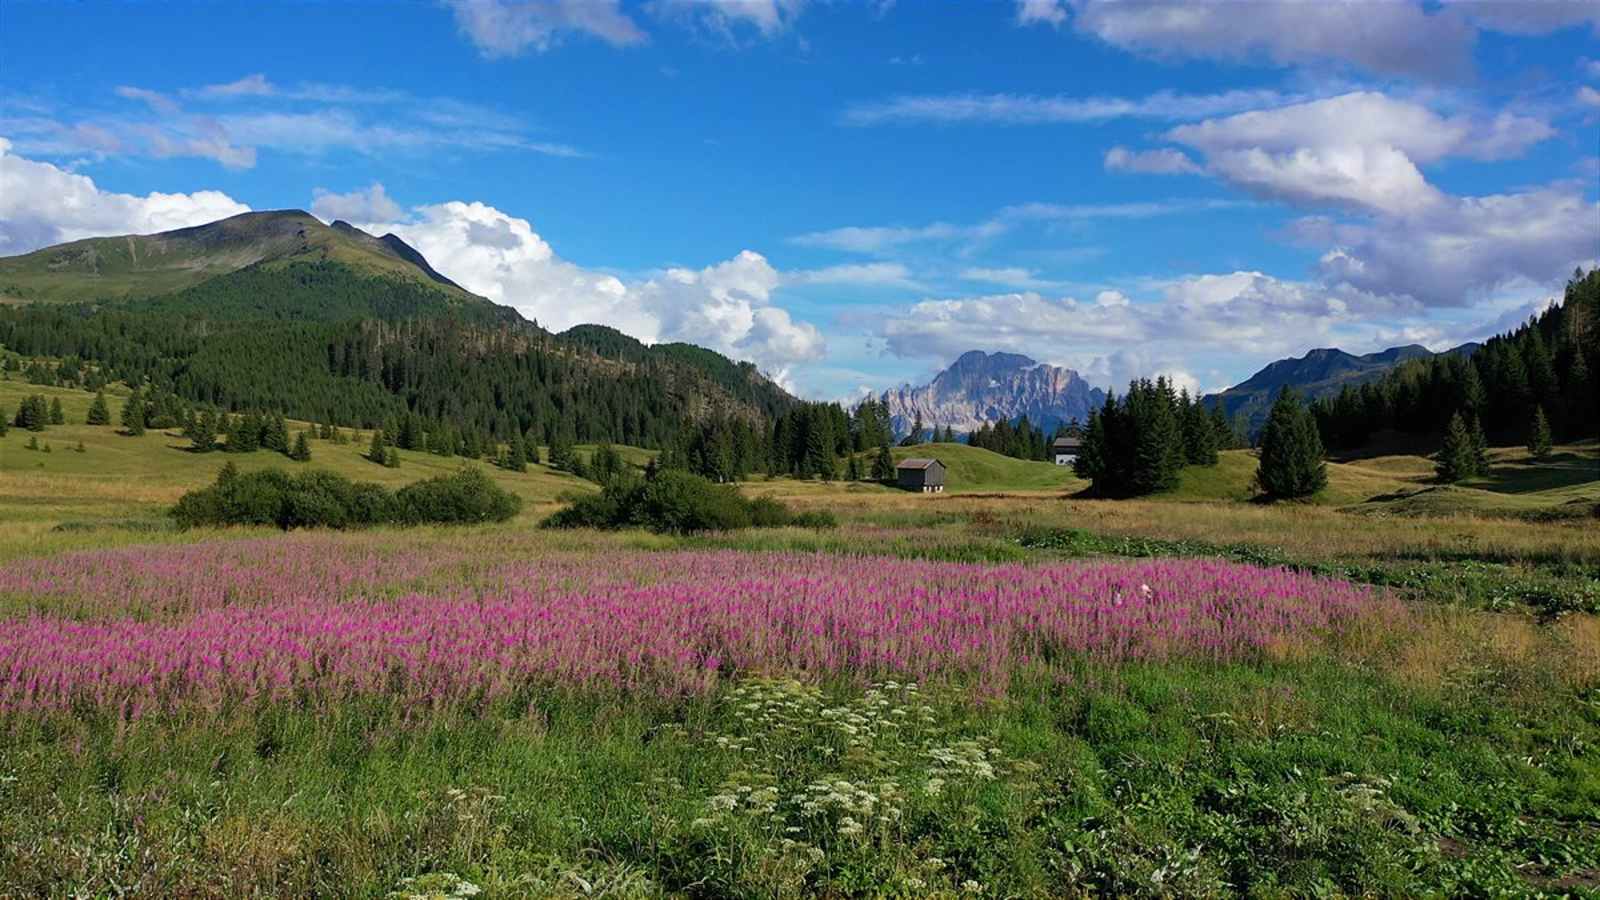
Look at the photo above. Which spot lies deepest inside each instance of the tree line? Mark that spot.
(1541, 372)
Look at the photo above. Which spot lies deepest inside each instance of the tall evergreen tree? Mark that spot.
(517, 454)
(1539, 434)
(376, 451)
(133, 413)
(100, 412)
(302, 449)
(883, 464)
(1457, 458)
(1291, 451)
(57, 417)
(1199, 434)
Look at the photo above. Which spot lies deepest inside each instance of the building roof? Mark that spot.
(1067, 443)
(917, 463)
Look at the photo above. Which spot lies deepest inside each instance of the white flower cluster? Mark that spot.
(435, 886)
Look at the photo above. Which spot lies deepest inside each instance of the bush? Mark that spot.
(319, 499)
(678, 502)
(466, 496)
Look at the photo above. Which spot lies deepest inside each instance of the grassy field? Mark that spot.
(1443, 738)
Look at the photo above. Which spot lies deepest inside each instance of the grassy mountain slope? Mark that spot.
(137, 266)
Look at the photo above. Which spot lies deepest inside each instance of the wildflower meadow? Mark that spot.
(509, 713)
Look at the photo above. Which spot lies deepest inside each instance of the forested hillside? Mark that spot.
(1546, 365)
(318, 334)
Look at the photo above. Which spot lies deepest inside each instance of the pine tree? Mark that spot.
(376, 451)
(1291, 451)
(853, 468)
(227, 473)
(1457, 458)
(1480, 446)
(391, 458)
(302, 449)
(915, 436)
(57, 417)
(883, 465)
(133, 413)
(517, 455)
(202, 432)
(1539, 434)
(5, 422)
(1199, 435)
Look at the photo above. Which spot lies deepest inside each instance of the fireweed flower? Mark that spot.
(141, 630)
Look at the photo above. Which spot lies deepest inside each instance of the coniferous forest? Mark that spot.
(1543, 370)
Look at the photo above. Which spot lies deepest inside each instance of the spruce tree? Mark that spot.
(302, 449)
(5, 422)
(1539, 434)
(517, 455)
(57, 417)
(391, 458)
(853, 468)
(1199, 435)
(376, 451)
(883, 465)
(1291, 451)
(1480, 446)
(1457, 459)
(133, 412)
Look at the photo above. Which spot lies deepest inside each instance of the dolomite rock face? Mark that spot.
(988, 387)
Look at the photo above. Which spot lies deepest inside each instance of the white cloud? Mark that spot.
(1022, 109)
(882, 274)
(40, 205)
(727, 307)
(1463, 247)
(726, 18)
(1041, 12)
(156, 100)
(255, 85)
(1359, 149)
(1392, 38)
(1588, 96)
(370, 205)
(1165, 161)
(1529, 17)
(503, 28)
(1188, 318)
(876, 238)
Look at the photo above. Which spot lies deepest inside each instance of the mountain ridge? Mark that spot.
(983, 388)
(1320, 372)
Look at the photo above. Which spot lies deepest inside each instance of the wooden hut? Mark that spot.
(924, 475)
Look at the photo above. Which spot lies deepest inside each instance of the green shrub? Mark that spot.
(678, 502)
(319, 499)
(465, 496)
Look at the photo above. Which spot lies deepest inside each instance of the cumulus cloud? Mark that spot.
(1359, 149)
(1588, 96)
(1164, 161)
(41, 204)
(1457, 251)
(1187, 317)
(1528, 17)
(503, 28)
(369, 205)
(1390, 38)
(727, 306)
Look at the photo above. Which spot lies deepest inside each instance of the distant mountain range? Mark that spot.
(1320, 373)
(987, 387)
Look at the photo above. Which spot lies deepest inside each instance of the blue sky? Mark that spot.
(852, 194)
